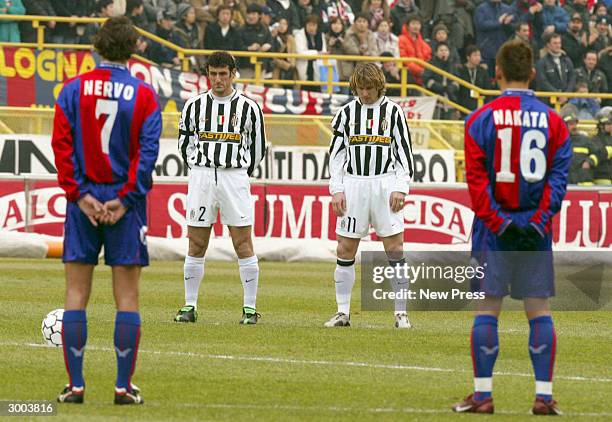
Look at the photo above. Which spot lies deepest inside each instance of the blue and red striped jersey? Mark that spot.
(106, 131)
(517, 156)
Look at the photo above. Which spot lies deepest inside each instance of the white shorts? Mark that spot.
(211, 191)
(367, 202)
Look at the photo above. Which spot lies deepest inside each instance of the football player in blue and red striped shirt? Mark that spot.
(105, 140)
(517, 154)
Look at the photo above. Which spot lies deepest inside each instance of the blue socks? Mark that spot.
(74, 338)
(542, 345)
(485, 347)
(127, 337)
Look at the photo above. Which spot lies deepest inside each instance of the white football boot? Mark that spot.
(402, 321)
(339, 320)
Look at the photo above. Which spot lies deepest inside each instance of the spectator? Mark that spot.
(335, 44)
(587, 107)
(9, 31)
(102, 9)
(601, 10)
(135, 11)
(377, 10)
(304, 8)
(309, 40)
(159, 53)
(494, 22)
(386, 41)
(335, 8)
(457, 15)
(221, 35)
(285, 9)
(602, 29)
(574, 41)
(64, 32)
(359, 40)
(555, 71)
(400, 12)
(157, 6)
(595, 78)
(239, 11)
(267, 17)
(554, 19)
(186, 28)
(283, 42)
(412, 44)
(439, 84)
(440, 34)
(392, 75)
(585, 154)
(602, 174)
(255, 37)
(119, 7)
(37, 8)
(522, 34)
(605, 65)
(528, 11)
(473, 72)
(580, 7)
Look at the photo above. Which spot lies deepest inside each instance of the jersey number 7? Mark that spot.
(532, 145)
(108, 107)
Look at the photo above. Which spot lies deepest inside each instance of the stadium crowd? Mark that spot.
(572, 39)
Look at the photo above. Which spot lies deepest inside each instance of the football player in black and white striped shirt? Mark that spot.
(371, 167)
(222, 139)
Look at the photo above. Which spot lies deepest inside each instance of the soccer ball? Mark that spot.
(52, 328)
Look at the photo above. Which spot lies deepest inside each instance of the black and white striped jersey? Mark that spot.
(370, 140)
(223, 132)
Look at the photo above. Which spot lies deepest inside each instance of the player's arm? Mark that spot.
(558, 162)
(484, 204)
(402, 149)
(146, 136)
(257, 138)
(186, 133)
(337, 153)
(62, 142)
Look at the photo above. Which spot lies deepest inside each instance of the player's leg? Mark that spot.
(127, 331)
(193, 271)
(248, 268)
(201, 215)
(344, 280)
(484, 344)
(542, 351)
(82, 243)
(74, 327)
(394, 248)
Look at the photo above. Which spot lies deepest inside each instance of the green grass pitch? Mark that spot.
(288, 367)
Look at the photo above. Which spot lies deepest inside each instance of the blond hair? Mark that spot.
(368, 75)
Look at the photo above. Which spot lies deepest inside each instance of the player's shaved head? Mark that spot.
(368, 75)
(515, 61)
(116, 40)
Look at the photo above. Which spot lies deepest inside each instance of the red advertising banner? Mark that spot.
(432, 214)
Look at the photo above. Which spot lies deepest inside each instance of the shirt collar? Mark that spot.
(108, 65)
(518, 91)
(376, 104)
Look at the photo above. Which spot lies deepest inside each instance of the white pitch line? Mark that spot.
(315, 362)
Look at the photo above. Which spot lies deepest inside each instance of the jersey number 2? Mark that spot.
(108, 107)
(529, 153)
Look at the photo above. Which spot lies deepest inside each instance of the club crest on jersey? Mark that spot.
(384, 125)
(192, 214)
(234, 120)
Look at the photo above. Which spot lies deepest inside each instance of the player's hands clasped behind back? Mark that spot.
(526, 239)
(98, 213)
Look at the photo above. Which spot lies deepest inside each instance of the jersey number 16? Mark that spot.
(532, 146)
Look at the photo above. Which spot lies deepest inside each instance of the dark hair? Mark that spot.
(363, 16)
(413, 17)
(471, 49)
(221, 59)
(515, 59)
(442, 44)
(590, 51)
(311, 19)
(116, 39)
(548, 37)
(223, 7)
(522, 24)
(130, 5)
(102, 4)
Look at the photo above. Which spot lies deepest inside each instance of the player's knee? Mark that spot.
(346, 250)
(197, 246)
(244, 249)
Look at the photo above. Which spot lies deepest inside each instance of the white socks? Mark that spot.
(193, 271)
(399, 284)
(249, 275)
(345, 279)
